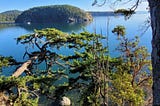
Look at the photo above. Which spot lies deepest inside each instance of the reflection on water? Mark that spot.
(3, 26)
(61, 26)
(72, 27)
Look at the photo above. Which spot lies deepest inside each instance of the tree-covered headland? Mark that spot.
(54, 13)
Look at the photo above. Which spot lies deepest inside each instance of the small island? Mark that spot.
(54, 13)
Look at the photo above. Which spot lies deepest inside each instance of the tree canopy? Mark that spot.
(87, 70)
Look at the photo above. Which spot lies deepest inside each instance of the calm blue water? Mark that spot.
(101, 24)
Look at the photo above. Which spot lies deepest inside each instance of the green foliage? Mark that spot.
(131, 77)
(52, 34)
(54, 13)
(123, 91)
(87, 69)
(83, 61)
(19, 94)
(125, 12)
(24, 100)
(26, 91)
(119, 30)
(5, 61)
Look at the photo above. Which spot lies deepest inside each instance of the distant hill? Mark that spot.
(54, 13)
(9, 16)
(11, 12)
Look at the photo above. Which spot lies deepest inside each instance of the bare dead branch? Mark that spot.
(97, 4)
(134, 7)
(24, 67)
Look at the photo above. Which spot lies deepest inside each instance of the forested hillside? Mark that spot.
(9, 16)
(54, 13)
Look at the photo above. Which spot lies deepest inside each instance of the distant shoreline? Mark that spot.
(103, 13)
(9, 22)
(111, 13)
(93, 13)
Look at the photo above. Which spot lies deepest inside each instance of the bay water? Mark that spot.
(135, 26)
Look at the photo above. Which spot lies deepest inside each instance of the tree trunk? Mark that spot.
(155, 24)
(24, 67)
